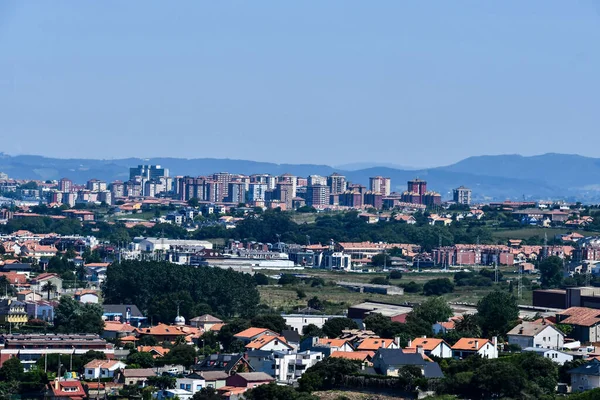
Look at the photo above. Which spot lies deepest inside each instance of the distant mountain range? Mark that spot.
(556, 176)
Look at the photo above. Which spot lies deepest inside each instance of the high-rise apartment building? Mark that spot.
(148, 172)
(256, 192)
(417, 186)
(222, 179)
(379, 184)
(65, 185)
(289, 179)
(317, 195)
(462, 195)
(316, 180)
(337, 183)
(236, 192)
(351, 198)
(285, 192)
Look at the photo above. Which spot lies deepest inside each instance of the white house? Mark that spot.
(530, 334)
(586, 376)
(431, 347)
(285, 367)
(191, 383)
(86, 296)
(466, 347)
(102, 368)
(556, 356)
(269, 343)
(299, 321)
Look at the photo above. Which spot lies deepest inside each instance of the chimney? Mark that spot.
(495, 342)
(424, 337)
(543, 320)
(246, 355)
(409, 342)
(56, 383)
(420, 349)
(477, 345)
(397, 340)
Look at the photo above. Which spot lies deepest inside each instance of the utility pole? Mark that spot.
(520, 283)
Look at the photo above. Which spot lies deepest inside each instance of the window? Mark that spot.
(188, 387)
(181, 386)
(90, 372)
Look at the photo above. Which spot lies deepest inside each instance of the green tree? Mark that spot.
(12, 370)
(433, 310)
(379, 260)
(379, 280)
(468, 326)
(437, 287)
(311, 330)
(49, 288)
(274, 322)
(497, 312)
(207, 393)
(272, 391)
(327, 374)
(315, 303)
(193, 202)
(261, 279)
(396, 274)
(74, 317)
(181, 354)
(142, 359)
(162, 382)
(334, 326)
(288, 279)
(551, 272)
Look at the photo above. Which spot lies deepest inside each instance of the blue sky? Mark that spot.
(410, 83)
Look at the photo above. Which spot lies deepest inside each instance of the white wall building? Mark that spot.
(556, 356)
(298, 321)
(102, 368)
(530, 334)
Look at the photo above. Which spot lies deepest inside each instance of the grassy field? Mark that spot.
(526, 233)
(337, 299)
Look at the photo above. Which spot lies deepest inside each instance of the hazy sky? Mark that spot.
(407, 82)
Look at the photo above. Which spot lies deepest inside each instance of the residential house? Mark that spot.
(292, 338)
(325, 346)
(214, 379)
(12, 312)
(557, 356)
(248, 335)
(40, 282)
(586, 376)
(137, 377)
(205, 322)
(116, 330)
(269, 343)
(466, 347)
(228, 363)
(248, 380)
(443, 327)
(374, 344)
(585, 322)
(365, 357)
(65, 390)
(530, 334)
(390, 361)
(156, 351)
(102, 369)
(28, 295)
(41, 309)
(299, 321)
(86, 296)
(284, 366)
(193, 382)
(431, 347)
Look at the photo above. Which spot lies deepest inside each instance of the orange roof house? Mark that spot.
(269, 343)
(431, 347)
(373, 344)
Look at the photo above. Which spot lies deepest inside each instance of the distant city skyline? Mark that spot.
(338, 82)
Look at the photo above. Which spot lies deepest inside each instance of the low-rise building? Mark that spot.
(431, 347)
(466, 347)
(530, 334)
(390, 361)
(586, 376)
(585, 322)
(299, 321)
(557, 356)
(102, 369)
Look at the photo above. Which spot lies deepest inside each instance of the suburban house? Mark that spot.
(586, 376)
(228, 363)
(248, 380)
(557, 356)
(284, 366)
(530, 334)
(269, 343)
(13, 312)
(431, 347)
(248, 335)
(364, 357)
(214, 379)
(205, 322)
(38, 284)
(65, 389)
(325, 346)
(193, 383)
(28, 295)
(137, 377)
(102, 368)
(114, 330)
(585, 322)
(374, 344)
(156, 351)
(162, 332)
(390, 361)
(299, 321)
(86, 296)
(466, 347)
(292, 338)
(125, 313)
